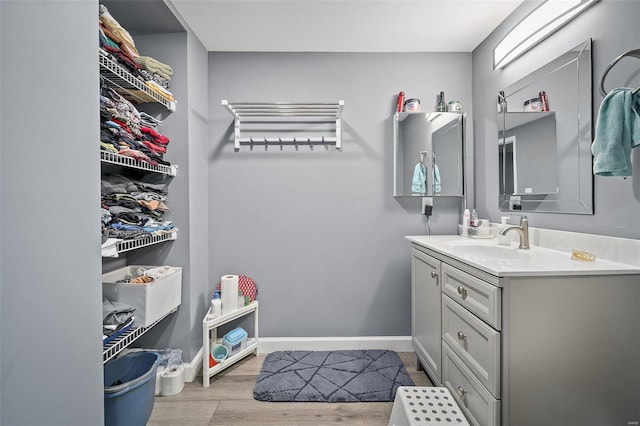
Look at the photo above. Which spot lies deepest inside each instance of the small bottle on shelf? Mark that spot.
(442, 105)
(502, 102)
(216, 305)
(400, 105)
(545, 100)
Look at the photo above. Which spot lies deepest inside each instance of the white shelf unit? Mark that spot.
(210, 338)
(128, 85)
(136, 91)
(281, 113)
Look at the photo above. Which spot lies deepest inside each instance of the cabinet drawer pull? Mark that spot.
(461, 391)
(434, 274)
(461, 335)
(462, 291)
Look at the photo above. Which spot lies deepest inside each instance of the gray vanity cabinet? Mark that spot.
(426, 312)
(524, 350)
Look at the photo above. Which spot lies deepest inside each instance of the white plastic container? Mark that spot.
(235, 340)
(466, 218)
(412, 105)
(152, 301)
(216, 305)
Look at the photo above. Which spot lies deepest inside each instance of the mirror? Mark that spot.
(544, 148)
(434, 140)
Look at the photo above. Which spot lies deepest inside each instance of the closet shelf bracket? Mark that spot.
(265, 123)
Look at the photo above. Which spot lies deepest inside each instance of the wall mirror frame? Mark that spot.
(544, 157)
(436, 141)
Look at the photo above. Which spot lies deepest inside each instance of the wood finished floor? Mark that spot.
(228, 401)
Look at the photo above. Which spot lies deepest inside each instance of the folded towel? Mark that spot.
(418, 184)
(437, 184)
(617, 131)
(155, 66)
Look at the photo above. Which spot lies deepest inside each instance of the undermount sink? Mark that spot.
(487, 252)
(483, 251)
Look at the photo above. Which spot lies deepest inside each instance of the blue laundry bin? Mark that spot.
(129, 389)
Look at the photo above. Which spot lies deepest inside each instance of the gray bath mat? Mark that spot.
(331, 376)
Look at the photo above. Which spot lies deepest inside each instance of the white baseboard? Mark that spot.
(394, 343)
(192, 368)
(272, 344)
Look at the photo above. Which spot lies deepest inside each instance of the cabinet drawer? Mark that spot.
(477, 344)
(480, 297)
(479, 406)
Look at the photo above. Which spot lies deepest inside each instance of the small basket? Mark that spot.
(219, 353)
(489, 231)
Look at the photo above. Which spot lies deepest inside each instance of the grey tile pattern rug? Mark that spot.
(331, 376)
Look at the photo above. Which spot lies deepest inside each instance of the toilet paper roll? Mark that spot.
(172, 381)
(229, 288)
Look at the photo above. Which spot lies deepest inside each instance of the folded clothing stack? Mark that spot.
(124, 131)
(116, 318)
(117, 41)
(133, 208)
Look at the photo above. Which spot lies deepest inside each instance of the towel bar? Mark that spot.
(631, 53)
(281, 113)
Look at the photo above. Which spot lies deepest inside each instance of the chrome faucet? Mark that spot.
(522, 230)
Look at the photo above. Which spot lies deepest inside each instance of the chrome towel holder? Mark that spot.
(631, 53)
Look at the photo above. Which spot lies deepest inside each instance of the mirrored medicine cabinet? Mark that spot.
(434, 140)
(544, 156)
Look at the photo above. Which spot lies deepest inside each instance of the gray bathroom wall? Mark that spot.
(319, 230)
(187, 129)
(613, 26)
(50, 295)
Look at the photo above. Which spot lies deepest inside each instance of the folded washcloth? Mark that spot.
(418, 184)
(617, 131)
(437, 183)
(153, 65)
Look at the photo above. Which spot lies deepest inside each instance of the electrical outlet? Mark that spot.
(427, 205)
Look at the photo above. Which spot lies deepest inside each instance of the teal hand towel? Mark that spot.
(617, 131)
(437, 183)
(418, 183)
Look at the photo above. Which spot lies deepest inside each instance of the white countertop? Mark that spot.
(504, 261)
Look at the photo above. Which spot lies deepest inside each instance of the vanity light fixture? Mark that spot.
(543, 21)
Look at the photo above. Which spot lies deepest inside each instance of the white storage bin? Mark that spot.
(152, 300)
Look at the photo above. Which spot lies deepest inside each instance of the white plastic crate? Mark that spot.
(152, 301)
(425, 406)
